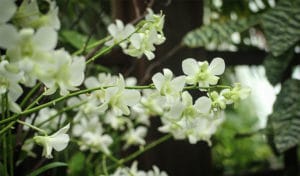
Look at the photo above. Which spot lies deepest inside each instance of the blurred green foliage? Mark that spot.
(234, 152)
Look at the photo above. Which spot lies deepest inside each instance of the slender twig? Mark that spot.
(92, 45)
(30, 93)
(32, 126)
(141, 151)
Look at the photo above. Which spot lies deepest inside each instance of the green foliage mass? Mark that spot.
(234, 153)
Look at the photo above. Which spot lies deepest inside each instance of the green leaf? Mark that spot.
(276, 66)
(281, 26)
(284, 123)
(76, 39)
(217, 32)
(76, 163)
(47, 167)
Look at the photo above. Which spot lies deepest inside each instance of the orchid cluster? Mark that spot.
(30, 41)
(108, 107)
(136, 41)
(110, 110)
(133, 170)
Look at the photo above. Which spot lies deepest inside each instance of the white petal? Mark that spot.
(131, 97)
(158, 80)
(60, 142)
(77, 71)
(136, 40)
(8, 36)
(217, 66)
(120, 24)
(45, 38)
(187, 99)
(175, 111)
(129, 29)
(190, 66)
(203, 104)
(91, 82)
(112, 29)
(150, 55)
(7, 10)
(178, 83)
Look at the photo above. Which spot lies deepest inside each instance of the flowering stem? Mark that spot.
(141, 151)
(60, 112)
(36, 101)
(102, 52)
(33, 127)
(99, 42)
(107, 49)
(53, 102)
(32, 91)
(4, 147)
(104, 166)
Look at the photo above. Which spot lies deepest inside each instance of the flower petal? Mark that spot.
(217, 66)
(190, 66)
(45, 38)
(158, 80)
(131, 97)
(7, 10)
(203, 104)
(8, 36)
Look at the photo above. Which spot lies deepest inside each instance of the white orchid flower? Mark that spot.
(29, 15)
(119, 32)
(57, 141)
(135, 136)
(64, 72)
(202, 73)
(166, 84)
(118, 98)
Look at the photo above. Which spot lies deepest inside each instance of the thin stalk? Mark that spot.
(36, 101)
(141, 151)
(7, 127)
(10, 154)
(53, 102)
(104, 166)
(33, 127)
(99, 42)
(107, 49)
(60, 112)
(30, 93)
(9, 142)
(102, 52)
(4, 107)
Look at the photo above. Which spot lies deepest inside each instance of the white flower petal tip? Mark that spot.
(217, 66)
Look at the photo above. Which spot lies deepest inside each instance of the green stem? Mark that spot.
(99, 42)
(53, 102)
(29, 95)
(7, 127)
(4, 110)
(102, 52)
(60, 112)
(107, 49)
(33, 127)
(36, 101)
(104, 166)
(10, 154)
(141, 151)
